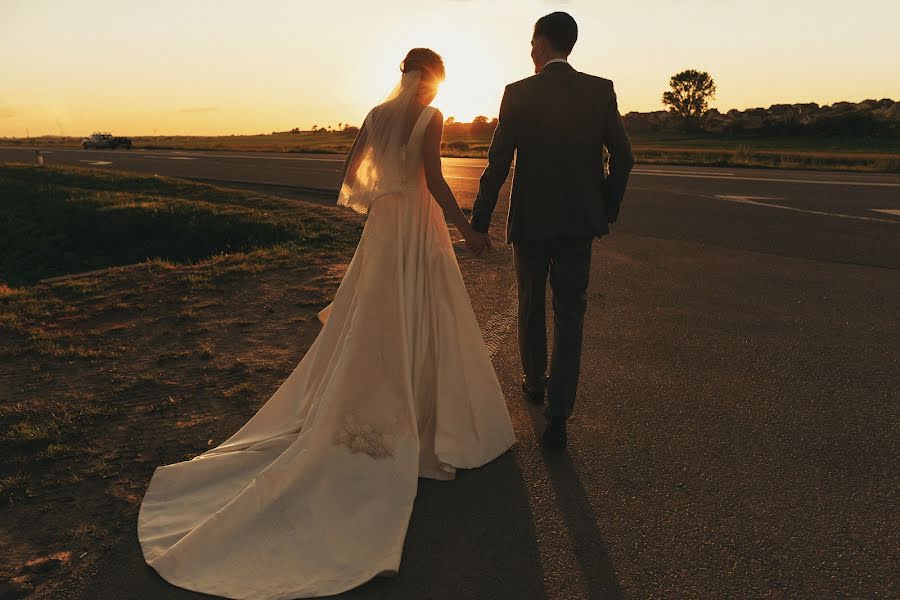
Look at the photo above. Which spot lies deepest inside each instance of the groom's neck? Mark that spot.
(538, 69)
(555, 56)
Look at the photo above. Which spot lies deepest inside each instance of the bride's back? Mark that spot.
(387, 153)
(407, 116)
(394, 132)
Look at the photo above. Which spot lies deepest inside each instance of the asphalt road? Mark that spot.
(840, 217)
(736, 423)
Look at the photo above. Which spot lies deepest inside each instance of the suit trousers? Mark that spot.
(568, 263)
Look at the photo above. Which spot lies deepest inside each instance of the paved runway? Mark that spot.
(735, 428)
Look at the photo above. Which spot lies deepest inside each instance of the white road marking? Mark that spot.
(781, 180)
(176, 157)
(639, 172)
(675, 172)
(195, 155)
(204, 155)
(98, 163)
(890, 211)
(745, 199)
(756, 200)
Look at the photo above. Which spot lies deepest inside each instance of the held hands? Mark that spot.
(476, 242)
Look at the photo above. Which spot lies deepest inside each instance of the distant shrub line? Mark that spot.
(867, 119)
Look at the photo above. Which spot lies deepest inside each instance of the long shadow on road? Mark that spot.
(468, 538)
(591, 552)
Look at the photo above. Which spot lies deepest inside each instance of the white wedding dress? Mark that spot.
(313, 495)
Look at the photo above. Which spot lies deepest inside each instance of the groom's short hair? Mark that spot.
(560, 29)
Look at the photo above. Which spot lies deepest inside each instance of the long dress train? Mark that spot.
(313, 495)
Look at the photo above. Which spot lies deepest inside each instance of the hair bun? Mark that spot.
(425, 60)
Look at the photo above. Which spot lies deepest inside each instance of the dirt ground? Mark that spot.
(128, 369)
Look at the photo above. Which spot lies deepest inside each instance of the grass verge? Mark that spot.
(55, 221)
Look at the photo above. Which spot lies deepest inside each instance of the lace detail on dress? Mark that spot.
(362, 437)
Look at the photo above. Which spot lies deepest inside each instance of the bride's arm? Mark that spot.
(437, 185)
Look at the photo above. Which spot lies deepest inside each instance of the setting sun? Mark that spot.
(476, 76)
(475, 79)
(220, 68)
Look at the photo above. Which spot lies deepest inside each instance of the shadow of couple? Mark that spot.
(472, 537)
(475, 536)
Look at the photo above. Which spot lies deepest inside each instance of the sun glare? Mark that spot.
(471, 92)
(475, 77)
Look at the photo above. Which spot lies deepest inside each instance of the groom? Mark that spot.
(557, 122)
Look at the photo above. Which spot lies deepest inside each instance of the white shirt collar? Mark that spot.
(553, 60)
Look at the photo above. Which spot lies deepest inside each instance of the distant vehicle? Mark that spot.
(105, 140)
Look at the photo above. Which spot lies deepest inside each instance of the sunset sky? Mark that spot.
(227, 66)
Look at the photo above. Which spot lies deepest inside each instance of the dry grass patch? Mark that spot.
(107, 376)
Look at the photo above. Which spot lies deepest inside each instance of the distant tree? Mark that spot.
(690, 95)
(450, 121)
(480, 125)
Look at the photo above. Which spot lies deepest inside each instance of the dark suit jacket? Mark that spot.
(557, 122)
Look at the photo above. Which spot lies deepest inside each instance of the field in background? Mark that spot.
(822, 153)
(817, 153)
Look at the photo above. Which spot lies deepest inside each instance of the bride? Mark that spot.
(313, 495)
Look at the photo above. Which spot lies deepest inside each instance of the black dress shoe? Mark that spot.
(534, 394)
(555, 434)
